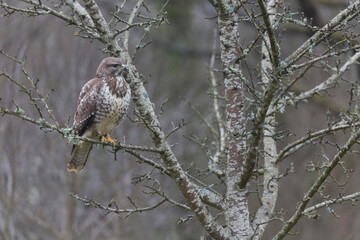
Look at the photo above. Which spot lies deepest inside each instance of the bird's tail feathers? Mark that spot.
(79, 155)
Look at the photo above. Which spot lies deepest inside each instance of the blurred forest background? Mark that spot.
(35, 200)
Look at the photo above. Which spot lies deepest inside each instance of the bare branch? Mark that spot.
(351, 197)
(316, 186)
(148, 161)
(271, 168)
(37, 9)
(171, 201)
(213, 163)
(330, 82)
(106, 36)
(274, 75)
(81, 12)
(298, 144)
(269, 23)
(130, 20)
(325, 56)
(347, 14)
(129, 211)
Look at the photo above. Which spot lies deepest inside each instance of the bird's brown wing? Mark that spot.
(83, 120)
(86, 109)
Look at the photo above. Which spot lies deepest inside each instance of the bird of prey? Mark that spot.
(102, 103)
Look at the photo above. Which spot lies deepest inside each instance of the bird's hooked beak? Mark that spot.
(123, 70)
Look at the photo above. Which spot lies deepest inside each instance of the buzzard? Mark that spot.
(102, 103)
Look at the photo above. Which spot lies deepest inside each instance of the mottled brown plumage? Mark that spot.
(102, 103)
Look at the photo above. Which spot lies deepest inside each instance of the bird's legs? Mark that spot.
(108, 139)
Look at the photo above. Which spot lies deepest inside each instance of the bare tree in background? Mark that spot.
(247, 144)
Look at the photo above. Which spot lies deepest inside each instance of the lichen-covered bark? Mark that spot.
(236, 202)
(271, 169)
(102, 27)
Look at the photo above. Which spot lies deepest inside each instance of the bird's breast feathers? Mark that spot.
(113, 104)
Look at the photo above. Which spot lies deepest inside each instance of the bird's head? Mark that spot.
(111, 66)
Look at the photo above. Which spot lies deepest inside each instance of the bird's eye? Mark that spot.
(115, 65)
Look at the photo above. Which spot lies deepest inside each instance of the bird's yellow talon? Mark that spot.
(108, 139)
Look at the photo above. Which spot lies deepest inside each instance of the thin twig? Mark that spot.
(300, 143)
(129, 211)
(330, 82)
(351, 197)
(129, 22)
